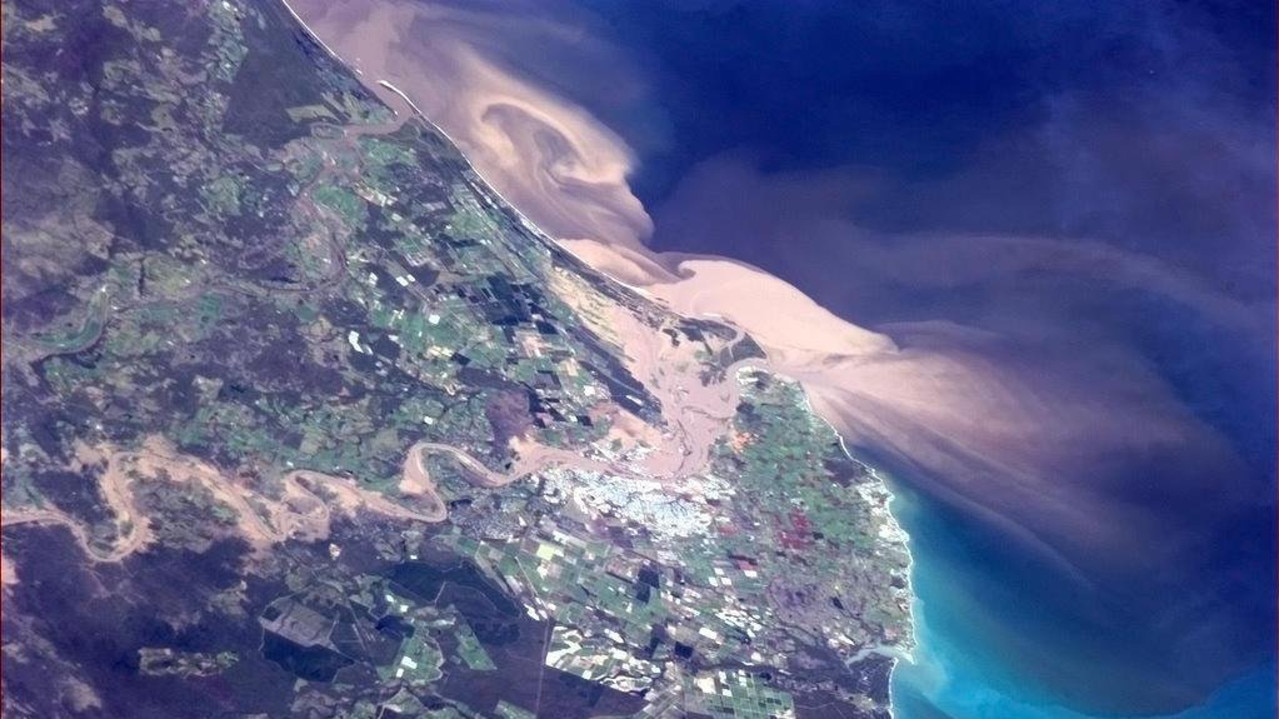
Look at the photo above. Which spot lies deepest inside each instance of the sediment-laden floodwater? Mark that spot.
(1026, 262)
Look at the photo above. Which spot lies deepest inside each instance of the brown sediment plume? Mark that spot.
(303, 509)
(548, 157)
(1033, 442)
(1016, 443)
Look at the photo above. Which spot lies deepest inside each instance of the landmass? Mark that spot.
(301, 419)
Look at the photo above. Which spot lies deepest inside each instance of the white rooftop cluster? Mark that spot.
(644, 501)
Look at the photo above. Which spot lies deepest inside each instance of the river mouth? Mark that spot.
(1136, 466)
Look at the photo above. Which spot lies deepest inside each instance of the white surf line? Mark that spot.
(536, 230)
(903, 536)
(524, 219)
(314, 36)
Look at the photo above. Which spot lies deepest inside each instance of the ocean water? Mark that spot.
(961, 670)
(1132, 128)
(1121, 155)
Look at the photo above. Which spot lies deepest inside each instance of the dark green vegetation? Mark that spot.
(785, 570)
(258, 286)
(217, 242)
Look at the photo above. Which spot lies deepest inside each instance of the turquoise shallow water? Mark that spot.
(944, 684)
(1079, 182)
(962, 672)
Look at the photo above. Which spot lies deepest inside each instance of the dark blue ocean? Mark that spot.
(1136, 139)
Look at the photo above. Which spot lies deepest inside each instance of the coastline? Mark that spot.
(879, 393)
(899, 536)
(895, 535)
